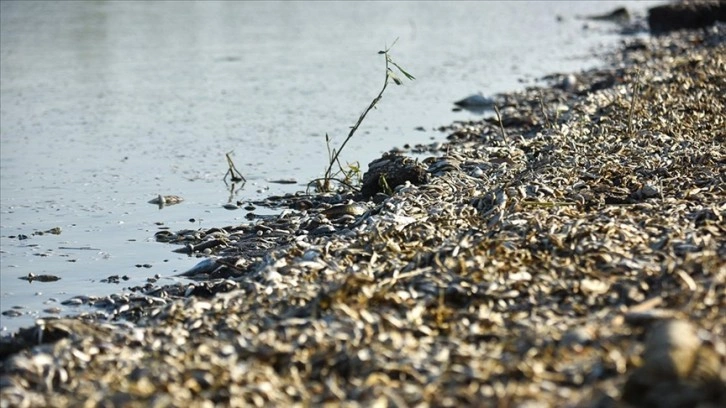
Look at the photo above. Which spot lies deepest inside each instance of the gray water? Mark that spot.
(104, 105)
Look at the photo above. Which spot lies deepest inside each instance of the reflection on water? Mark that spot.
(105, 105)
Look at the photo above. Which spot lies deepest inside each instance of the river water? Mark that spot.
(104, 105)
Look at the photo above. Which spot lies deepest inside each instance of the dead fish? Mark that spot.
(163, 200)
(354, 209)
(204, 267)
(619, 15)
(40, 278)
(284, 181)
(476, 102)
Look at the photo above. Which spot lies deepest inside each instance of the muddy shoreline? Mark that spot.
(565, 254)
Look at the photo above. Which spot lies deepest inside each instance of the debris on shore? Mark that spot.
(686, 15)
(165, 200)
(571, 252)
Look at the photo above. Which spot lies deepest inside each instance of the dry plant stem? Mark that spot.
(501, 125)
(327, 180)
(360, 120)
(544, 112)
(636, 90)
(232, 171)
(547, 204)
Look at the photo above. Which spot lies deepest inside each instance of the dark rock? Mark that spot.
(112, 279)
(686, 15)
(395, 170)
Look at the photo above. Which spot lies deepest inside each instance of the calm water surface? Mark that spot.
(104, 105)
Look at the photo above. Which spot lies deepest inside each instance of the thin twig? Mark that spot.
(636, 91)
(546, 203)
(232, 171)
(501, 125)
(360, 120)
(544, 112)
(334, 157)
(327, 180)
